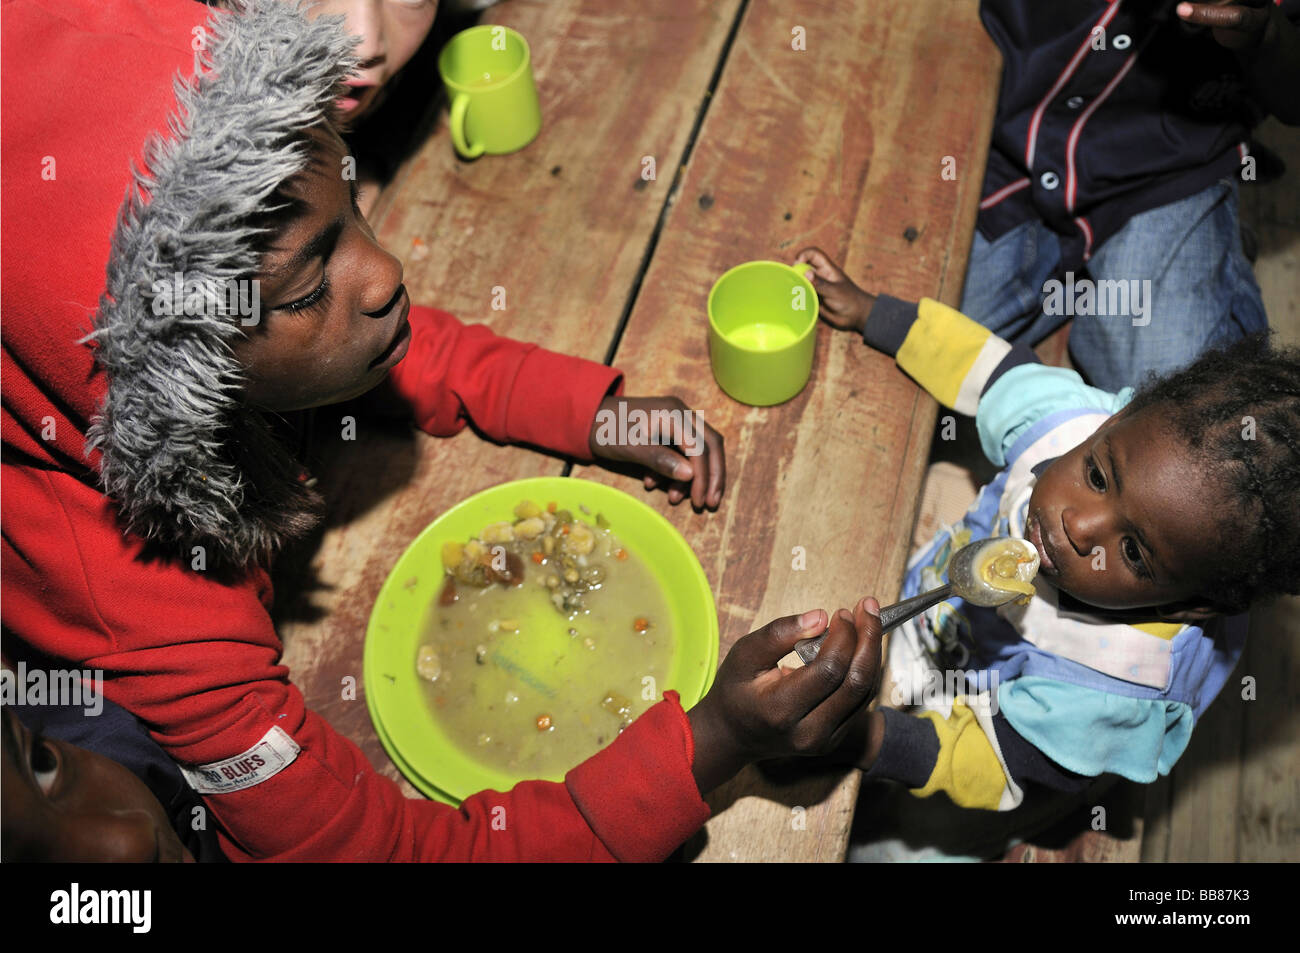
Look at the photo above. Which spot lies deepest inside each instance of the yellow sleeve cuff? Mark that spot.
(950, 355)
(967, 769)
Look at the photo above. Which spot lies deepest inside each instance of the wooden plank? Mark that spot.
(563, 227)
(1278, 274)
(1276, 202)
(1268, 820)
(840, 145)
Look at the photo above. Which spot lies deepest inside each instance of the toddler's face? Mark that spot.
(1129, 518)
(63, 803)
(334, 308)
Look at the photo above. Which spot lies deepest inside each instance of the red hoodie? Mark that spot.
(195, 658)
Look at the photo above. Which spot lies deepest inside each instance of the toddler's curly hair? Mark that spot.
(1238, 408)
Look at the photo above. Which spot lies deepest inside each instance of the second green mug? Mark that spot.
(488, 73)
(762, 331)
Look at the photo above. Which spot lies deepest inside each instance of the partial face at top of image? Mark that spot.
(390, 31)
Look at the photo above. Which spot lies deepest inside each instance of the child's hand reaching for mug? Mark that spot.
(669, 439)
(756, 710)
(843, 304)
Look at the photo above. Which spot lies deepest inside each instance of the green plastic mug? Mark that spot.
(488, 73)
(762, 331)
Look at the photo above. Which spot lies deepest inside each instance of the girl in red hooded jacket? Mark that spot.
(126, 449)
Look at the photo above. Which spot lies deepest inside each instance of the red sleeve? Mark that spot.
(514, 392)
(196, 658)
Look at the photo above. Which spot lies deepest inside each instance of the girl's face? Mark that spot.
(391, 31)
(333, 315)
(1129, 519)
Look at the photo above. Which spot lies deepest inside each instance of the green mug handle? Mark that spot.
(459, 106)
(800, 267)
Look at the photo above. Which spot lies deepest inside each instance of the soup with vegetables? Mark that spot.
(547, 639)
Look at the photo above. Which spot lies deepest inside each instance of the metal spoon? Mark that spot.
(963, 581)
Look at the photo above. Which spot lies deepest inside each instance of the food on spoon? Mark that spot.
(1009, 565)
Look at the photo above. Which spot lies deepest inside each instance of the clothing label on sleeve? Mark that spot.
(275, 752)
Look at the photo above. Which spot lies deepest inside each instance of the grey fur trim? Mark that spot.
(186, 461)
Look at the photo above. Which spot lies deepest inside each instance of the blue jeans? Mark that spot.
(1197, 290)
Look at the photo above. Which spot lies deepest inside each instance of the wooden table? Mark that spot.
(759, 149)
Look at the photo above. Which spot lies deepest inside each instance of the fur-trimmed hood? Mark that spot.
(186, 463)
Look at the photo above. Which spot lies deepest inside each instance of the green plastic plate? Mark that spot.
(415, 741)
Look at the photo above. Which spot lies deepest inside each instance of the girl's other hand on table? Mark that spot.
(669, 439)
